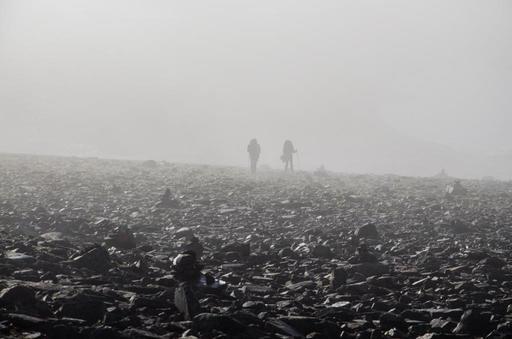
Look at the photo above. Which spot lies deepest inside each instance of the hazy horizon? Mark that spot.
(405, 87)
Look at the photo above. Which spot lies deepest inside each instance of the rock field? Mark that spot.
(87, 249)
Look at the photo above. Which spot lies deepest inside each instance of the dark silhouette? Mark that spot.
(254, 150)
(168, 200)
(167, 196)
(287, 156)
(195, 246)
(186, 267)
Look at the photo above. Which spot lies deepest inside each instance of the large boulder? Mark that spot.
(95, 258)
(17, 295)
(82, 306)
(473, 322)
(368, 231)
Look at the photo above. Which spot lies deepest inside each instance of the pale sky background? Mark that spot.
(376, 86)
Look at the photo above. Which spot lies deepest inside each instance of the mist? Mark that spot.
(404, 87)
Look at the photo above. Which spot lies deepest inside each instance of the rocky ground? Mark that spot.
(87, 247)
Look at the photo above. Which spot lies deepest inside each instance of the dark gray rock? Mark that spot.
(207, 322)
(390, 320)
(473, 322)
(82, 306)
(96, 259)
(370, 269)
(368, 231)
(321, 251)
(17, 295)
(338, 277)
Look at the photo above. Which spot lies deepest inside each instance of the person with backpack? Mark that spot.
(254, 151)
(287, 156)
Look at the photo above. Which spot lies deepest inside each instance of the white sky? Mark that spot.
(193, 81)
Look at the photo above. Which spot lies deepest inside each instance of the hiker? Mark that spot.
(287, 156)
(193, 284)
(254, 151)
(186, 267)
(194, 246)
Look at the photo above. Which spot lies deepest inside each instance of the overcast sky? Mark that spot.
(193, 81)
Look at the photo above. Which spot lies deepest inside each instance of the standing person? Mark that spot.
(287, 156)
(254, 151)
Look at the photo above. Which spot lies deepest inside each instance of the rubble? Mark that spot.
(86, 253)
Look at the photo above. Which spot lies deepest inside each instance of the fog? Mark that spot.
(405, 87)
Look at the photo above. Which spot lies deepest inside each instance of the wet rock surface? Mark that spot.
(114, 249)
